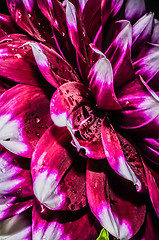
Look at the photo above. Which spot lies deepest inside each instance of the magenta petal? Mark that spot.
(153, 189)
(114, 154)
(101, 83)
(58, 183)
(116, 205)
(142, 30)
(16, 227)
(134, 9)
(110, 8)
(146, 64)
(63, 225)
(29, 17)
(154, 36)
(119, 54)
(53, 67)
(24, 69)
(24, 116)
(7, 25)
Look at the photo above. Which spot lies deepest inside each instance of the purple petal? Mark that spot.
(134, 9)
(59, 182)
(63, 225)
(115, 156)
(101, 83)
(53, 67)
(110, 8)
(153, 189)
(142, 30)
(28, 16)
(116, 205)
(154, 36)
(7, 25)
(119, 54)
(16, 227)
(146, 64)
(24, 117)
(12, 50)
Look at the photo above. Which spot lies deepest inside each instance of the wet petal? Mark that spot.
(119, 54)
(115, 156)
(146, 64)
(24, 69)
(24, 116)
(134, 9)
(59, 182)
(101, 83)
(16, 227)
(116, 205)
(142, 30)
(28, 16)
(53, 67)
(63, 225)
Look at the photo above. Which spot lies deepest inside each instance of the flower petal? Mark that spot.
(59, 182)
(7, 25)
(53, 67)
(117, 206)
(28, 16)
(142, 30)
(63, 225)
(119, 54)
(154, 36)
(23, 111)
(146, 64)
(115, 156)
(16, 227)
(24, 69)
(101, 83)
(134, 9)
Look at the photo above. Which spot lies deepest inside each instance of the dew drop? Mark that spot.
(37, 120)
(2, 170)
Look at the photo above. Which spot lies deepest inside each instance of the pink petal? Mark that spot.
(146, 64)
(7, 25)
(59, 181)
(28, 16)
(12, 49)
(63, 225)
(24, 116)
(142, 30)
(119, 54)
(154, 36)
(101, 83)
(117, 206)
(134, 9)
(110, 8)
(153, 188)
(16, 227)
(53, 67)
(115, 156)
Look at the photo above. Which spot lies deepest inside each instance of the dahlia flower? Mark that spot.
(79, 141)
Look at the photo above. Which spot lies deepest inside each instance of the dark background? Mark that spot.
(152, 5)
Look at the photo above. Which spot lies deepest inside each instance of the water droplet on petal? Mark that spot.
(2, 170)
(37, 120)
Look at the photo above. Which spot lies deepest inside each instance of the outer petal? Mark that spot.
(134, 9)
(53, 67)
(7, 25)
(119, 54)
(110, 8)
(101, 84)
(24, 116)
(63, 225)
(28, 16)
(154, 36)
(24, 69)
(115, 204)
(59, 181)
(114, 154)
(16, 227)
(147, 64)
(142, 30)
